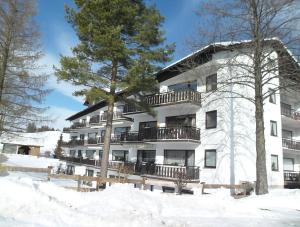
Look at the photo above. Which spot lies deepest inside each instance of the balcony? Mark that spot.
(170, 133)
(291, 179)
(169, 171)
(290, 113)
(73, 143)
(159, 134)
(146, 169)
(114, 165)
(167, 98)
(117, 116)
(291, 144)
(93, 141)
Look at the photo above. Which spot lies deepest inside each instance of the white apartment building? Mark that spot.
(208, 135)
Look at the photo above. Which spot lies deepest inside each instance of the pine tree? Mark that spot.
(121, 47)
(58, 149)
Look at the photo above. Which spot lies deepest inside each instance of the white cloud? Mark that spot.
(48, 61)
(58, 116)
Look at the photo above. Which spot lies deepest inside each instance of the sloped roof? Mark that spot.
(199, 57)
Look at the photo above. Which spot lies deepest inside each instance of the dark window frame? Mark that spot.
(205, 156)
(216, 119)
(276, 169)
(124, 155)
(271, 128)
(213, 84)
(272, 94)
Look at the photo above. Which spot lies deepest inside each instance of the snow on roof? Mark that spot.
(227, 44)
(47, 140)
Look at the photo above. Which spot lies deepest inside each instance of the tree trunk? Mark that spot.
(107, 138)
(108, 130)
(261, 170)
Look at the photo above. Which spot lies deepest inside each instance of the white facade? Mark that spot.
(233, 138)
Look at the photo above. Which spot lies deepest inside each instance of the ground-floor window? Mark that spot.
(120, 155)
(70, 170)
(288, 164)
(72, 153)
(146, 156)
(210, 158)
(179, 157)
(89, 173)
(274, 162)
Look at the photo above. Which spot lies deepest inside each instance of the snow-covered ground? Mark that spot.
(32, 201)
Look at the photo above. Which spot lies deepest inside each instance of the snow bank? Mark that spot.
(26, 202)
(27, 199)
(30, 161)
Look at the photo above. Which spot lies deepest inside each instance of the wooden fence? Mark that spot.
(117, 179)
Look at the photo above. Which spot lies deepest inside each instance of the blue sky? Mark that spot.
(58, 37)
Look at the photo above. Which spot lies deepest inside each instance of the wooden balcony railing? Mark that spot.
(95, 120)
(92, 141)
(167, 99)
(292, 176)
(77, 125)
(170, 133)
(157, 170)
(291, 144)
(111, 164)
(170, 171)
(103, 118)
(157, 134)
(291, 113)
(73, 143)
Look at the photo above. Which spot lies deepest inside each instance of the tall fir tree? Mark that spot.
(121, 47)
(58, 149)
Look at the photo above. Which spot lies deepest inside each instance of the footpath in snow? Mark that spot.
(29, 201)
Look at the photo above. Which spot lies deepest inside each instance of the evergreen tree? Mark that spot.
(121, 47)
(58, 149)
(31, 127)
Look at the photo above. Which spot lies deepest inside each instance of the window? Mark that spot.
(146, 156)
(147, 124)
(287, 134)
(192, 85)
(79, 154)
(274, 162)
(81, 137)
(273, 128)
(210, 159)
(120, 156)
(288, 164)
(89, 173)
(119, 131)
(211, 83)
(72, 153)
(90, 154)
(181, 121)
(211, 119)
(272, 97)
(100, 154)
(179, 157)
(286, 109)
(70, 170)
